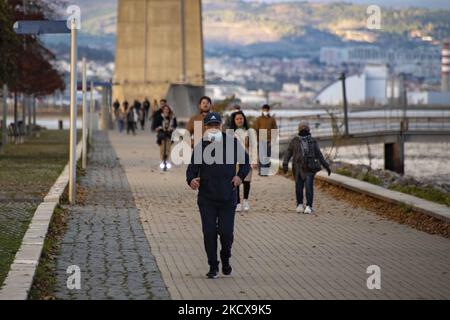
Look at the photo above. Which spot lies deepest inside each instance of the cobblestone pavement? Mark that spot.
(277, 253)
(105, 237)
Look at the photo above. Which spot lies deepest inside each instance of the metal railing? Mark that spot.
(323, 126)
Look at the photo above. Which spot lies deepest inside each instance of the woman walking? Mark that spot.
(164, 128)
(132, 117)
(248, 138)
(307, 160)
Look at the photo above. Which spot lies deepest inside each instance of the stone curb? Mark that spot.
(18, 283)
(433, 209)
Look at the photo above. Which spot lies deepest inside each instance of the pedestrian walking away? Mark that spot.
(266, 123)
(247, 137)
(307, 160)
(216, 181)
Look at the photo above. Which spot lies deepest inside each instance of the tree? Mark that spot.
(27, 64)
(9, 44)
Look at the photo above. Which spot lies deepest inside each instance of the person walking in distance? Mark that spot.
(132, 117)
(215, 178)
(122, 116)
(204, 106)
(263, 126)
(156, 116)
(116, 108)
(164, 131)
(247, 137)
(228, 121)
(307, 160)
(146, 105)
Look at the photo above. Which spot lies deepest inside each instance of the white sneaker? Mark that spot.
(308, 210)
(299, 208)
(239, 207)
(246, 206)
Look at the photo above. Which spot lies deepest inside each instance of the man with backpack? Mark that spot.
(307, 160)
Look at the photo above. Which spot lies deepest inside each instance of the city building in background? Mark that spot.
(369, 86)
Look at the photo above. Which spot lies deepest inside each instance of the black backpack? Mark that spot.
(312, 164)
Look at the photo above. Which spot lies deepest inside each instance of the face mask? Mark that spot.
(265, 113)
(304, 132)
(214, 135)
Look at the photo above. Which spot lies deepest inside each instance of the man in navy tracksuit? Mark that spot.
(214, 176)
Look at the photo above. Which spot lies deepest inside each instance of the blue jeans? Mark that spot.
(309, 184)
(120, 125)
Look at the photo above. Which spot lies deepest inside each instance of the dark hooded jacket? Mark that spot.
(295, 152)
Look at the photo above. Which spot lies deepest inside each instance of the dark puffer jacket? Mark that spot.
(215, 178)
(294, 151)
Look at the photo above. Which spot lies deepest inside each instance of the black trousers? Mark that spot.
(246, 191)
(217, 220)
(131, 127)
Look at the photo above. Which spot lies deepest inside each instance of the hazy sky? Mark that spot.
(432, 4)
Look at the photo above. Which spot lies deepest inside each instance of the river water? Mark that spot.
(428, 162)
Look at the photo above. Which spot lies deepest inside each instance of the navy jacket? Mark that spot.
(215, 178)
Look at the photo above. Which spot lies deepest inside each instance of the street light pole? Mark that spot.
(91, 113)
(60, 27)
(344, 98)
(73, 111)
(34, 113)
(85, 118)
(5, 115)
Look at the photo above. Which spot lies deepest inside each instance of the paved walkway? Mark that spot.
(277, 254)
(105, 237)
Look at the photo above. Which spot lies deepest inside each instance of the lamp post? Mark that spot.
(85, 118)
(5, 117)
(58, 27)
(91, 113)
(344, 99)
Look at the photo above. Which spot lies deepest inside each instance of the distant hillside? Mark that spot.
(249, 22)
(260, 27)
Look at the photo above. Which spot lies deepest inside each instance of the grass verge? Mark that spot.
(429, 194)
(45, 277)
(27, 172)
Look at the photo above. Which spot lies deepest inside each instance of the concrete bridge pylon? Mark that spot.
(159, 44)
